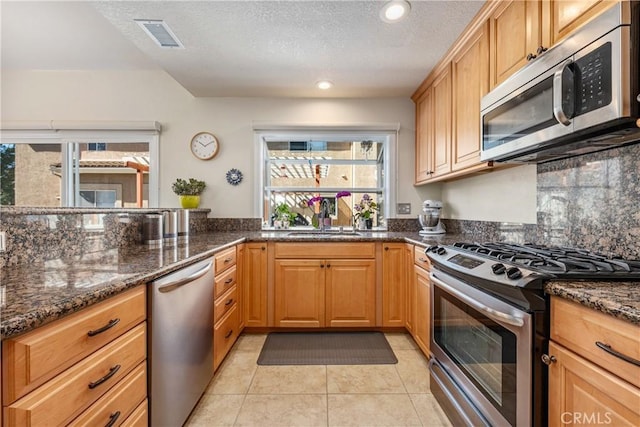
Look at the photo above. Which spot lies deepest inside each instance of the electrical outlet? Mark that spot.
(3, 243)
(403, 208)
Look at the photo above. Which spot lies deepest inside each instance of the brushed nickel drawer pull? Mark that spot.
(112, 419)
(111, 324)
(111, 373)
(422, 260)
(229, 280)
(228, 334)
(228, 260)
(608, 349)
(229, 302)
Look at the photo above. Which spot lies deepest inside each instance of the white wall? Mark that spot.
(153, 95)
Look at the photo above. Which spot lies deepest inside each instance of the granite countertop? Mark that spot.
(37, 293)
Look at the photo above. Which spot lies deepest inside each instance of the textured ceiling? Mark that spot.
(242, 48)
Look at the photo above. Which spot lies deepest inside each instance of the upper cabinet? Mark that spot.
(568, 15)
(516, 37)
(501, 39)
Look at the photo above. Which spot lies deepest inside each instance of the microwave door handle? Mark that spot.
(558, 112)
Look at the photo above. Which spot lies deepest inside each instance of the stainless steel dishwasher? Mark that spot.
(181, 342)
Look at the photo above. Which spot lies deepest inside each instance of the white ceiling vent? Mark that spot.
(160, 33)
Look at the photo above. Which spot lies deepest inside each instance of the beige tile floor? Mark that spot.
(245, 394)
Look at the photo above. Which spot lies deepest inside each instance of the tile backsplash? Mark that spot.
(592, 201)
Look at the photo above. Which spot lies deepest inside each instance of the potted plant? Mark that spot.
(189, 192)
(364, 212)
(284, 216)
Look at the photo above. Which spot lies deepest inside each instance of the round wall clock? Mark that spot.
(234, 177)
(204, 145)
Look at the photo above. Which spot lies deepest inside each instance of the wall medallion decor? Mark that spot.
(234, 177)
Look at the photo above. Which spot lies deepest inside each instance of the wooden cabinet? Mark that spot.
(299, 293)
(394, 284)
(255, 278)
(423, 308)
(516, 34)
(90, 365)
(410, 298)
(325, 284)
(442, 113)
(586, 378)
(424, 136)
(470, 68)
(580, 392)
(568, 15)
(240, 280)
(226, 327)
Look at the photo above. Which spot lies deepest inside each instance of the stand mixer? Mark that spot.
(430, 218)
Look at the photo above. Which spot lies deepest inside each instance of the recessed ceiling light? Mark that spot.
(160, 33)
(324, 84)
(394, 11)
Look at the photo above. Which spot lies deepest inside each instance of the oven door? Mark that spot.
(485, 346)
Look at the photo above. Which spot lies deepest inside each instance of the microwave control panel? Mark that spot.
(593, 80)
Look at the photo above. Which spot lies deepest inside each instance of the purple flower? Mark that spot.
(342, 194)
(313, 200)
(366, 197)
(357, 208)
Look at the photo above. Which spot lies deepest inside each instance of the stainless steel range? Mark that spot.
(490, 325)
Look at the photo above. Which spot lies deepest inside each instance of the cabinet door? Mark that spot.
(423, 309)
(350, 293)
(299, 293)
(569, 15)
(255, 284)
(240, 287)
(581, 393)
(394, 278)
(441, 148)
(470, 69)
(515, 32)
(410, 290)
(424, 136)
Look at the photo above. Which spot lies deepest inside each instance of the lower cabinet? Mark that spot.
(394, 284)
(410, 288)
(86, 369)
(254, 282)
(226, 323)
(333, 285)
(319, 293)
(423, 308)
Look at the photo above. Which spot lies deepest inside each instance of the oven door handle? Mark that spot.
(494, 314)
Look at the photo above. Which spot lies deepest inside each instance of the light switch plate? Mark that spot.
(403, 208)
(3, 243)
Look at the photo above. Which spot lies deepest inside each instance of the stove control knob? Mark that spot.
(441, 251)
(498, 268)
(514, 273)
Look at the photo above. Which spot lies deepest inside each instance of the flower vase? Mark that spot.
(362, 224)
(369, 223)
(189, 202)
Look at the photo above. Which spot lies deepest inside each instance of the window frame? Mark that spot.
(339, 133)
(70, 140)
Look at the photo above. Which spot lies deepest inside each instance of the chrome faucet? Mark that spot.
(324, 210)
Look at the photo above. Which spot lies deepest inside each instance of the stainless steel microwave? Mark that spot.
(581, 96)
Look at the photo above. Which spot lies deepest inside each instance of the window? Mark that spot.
(66, 168)
(296, 168)
(97, 146)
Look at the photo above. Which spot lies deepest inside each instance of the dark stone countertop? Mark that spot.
(38, 293)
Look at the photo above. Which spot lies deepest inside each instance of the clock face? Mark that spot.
(204, 145)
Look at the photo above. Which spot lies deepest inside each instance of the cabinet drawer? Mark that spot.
(64, 397)
(579, 328)
(225, 259)
(419, 258)
(35, 357)
(325, 250)
(225, 303)
(116, 405)
(225, 281)
(224, 335)
(139, 417)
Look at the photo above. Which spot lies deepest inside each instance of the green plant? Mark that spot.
(284, 213)
(193, 187)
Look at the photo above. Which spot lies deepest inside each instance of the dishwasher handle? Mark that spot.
(172, 286)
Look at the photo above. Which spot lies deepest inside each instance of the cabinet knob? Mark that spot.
(531, 56)
(263, 248)
(548, 360)
(541, 49)
(386, 248)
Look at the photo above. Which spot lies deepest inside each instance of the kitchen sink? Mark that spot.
(322, 233)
